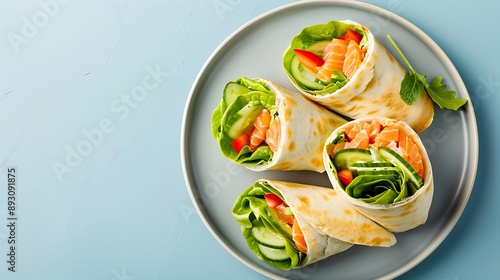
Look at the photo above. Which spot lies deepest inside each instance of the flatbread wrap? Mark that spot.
(263, 126)
(342, 66)
(380, 167)
(290, 225)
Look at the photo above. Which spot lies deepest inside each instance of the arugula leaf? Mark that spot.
(411, 88)
(446, 98)
(414, 83)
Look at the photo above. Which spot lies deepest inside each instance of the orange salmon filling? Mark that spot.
(298, 237)
(265, 129)
(363, 134)
(343, 55)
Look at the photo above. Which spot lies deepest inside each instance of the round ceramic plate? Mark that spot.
(256, 50)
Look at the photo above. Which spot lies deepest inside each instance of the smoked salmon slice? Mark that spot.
(334, 56)
(261, 125)
(298, 237)
(387, 136)
(412, 154)
(273, 135)
(353, 59)
(360, 141)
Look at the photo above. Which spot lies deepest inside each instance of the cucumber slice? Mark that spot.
(301, 78)
(278, 224)
(399, 161)
(371, 164)
(318, 48)
(393, 171)
(268, 237)
(374, 168)
(237, 124)
(273, 254)
(233, 90)
(375, 155)
(344, 158)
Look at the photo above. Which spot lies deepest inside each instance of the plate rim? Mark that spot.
(472, 158)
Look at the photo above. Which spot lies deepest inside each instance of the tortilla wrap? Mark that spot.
(374, 88)
(303, 125)
(329, 224)
(406, 211)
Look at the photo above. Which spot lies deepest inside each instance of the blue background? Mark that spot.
(92, 95)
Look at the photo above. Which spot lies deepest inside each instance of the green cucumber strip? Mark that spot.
(240, 116)
(393, 171)
(344, 158)
(304, 79)
(318, 48)
(399, 161)
(278, 224)
(268, 237)
(371, 164)
(233, 90)
(273, 254)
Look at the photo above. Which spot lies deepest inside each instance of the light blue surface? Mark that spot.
(91, 101)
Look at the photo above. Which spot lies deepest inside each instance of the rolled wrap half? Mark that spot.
(263, 126)
(290, 225)
(380, 166)
(368, 83)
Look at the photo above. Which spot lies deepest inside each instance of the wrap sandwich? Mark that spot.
(263, 126)
(380, 166)
(342, 66)
(290, 225)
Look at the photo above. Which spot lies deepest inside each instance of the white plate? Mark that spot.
(256, 50)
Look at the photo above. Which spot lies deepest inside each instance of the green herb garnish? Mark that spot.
(414, 83)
